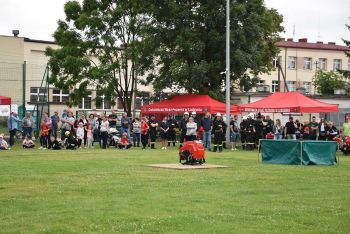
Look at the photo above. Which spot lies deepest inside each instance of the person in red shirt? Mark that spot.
(124, 142)
(144, 132)
(44, 134)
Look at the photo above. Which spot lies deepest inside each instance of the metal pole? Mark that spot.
(228, 102)
(48, 89)
(24, 68)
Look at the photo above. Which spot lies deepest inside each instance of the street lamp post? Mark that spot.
(228, 101)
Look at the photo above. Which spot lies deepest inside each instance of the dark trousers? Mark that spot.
(12, 137)
(43, 141)
(104, 136)
(28, 146)
(172, 137)
(144, 140)
(153, 136)
(79, 142)
(182, 137)
(54, 131)
(191, 137)
(27, 131)
(218, 136)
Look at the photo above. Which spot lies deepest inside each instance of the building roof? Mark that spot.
(303, 44)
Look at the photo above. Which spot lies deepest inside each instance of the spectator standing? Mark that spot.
(277, 130)
(104, 128)
(298, 130)
(136, 130)
(259, 129)
(306, 130)
(322, 129)
(67, 125)
(44, 134)
(313, 128)
(97, 132)
(113, 119)
(234, 130)
(27, 124)
(144, 132)
(125, 124)
(12, 124)
(172, 131)
(331, 131)
(346, 127)
(182, 126)
(218, 130)
(55, 119)
(191, 130)
(48, 122)
(289, 130)
(85, 123)
(207, 124)
(164, 128)
(80, 134)
(153, 131)
(268, 125)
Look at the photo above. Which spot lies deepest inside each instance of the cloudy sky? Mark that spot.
(314, 19)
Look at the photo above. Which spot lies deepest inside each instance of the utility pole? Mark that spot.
(228, 101)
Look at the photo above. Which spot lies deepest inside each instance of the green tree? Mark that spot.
(99, 47)
(326, 82)
(346, 73)
(188, 41)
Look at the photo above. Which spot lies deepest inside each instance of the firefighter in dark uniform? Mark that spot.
(268, 125)
(153, 131)
(183, 128)
(172, 131)
(250, 145)
(218, 131)
(243, 131)
(259, 129)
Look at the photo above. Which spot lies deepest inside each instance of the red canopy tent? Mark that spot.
(5, 100)
(187, 102)
(288, 102)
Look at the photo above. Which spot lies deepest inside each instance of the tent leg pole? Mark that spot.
(301, 153)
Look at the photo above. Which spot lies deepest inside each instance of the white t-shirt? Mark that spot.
(104, 126)
(80, 133)
(191, 129)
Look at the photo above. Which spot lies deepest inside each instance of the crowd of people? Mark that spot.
(101, 129)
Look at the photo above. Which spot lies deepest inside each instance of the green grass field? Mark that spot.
(113, 191)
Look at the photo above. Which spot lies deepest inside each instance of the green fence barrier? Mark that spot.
(298, 152)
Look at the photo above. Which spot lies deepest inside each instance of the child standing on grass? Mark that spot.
(89, 136)
(80, 134)
(28, 142)
(44, 133)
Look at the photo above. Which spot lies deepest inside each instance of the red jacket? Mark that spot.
(124, 141)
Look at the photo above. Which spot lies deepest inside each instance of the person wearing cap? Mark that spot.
(55, 119)
(3, 143)
(346, 127)
(172, 131)
(12, 124)
(153, 125)
(218, 131)
(290, 128)
(207, 125)
(183, 128)
(27, 124)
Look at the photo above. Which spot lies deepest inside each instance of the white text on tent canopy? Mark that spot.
(267, 110)
(169, 109)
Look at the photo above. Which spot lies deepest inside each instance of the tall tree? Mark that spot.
(346, 73)
(188, 39)
(99, 48)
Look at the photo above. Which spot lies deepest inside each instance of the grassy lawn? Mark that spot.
(112, 191)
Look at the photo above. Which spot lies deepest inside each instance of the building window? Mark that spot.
(291, 85)
(307, 63)
(38, 94)
(336, 64)
(85, 103)
(274, 87)
(104, 104)
(322, 64)
(292, 62)
(59, 95)
(142, 98)
(307, 87)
